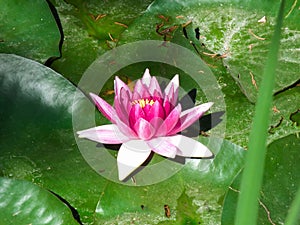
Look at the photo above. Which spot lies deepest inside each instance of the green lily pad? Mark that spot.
(283, 122)
(281, 181)
(29, 29)
(232, 33)
(215, 27)
(239, 111)
(25, 203)
(37, 142)
(249, 41)
(36, 135)
(91, 28)
(295, 117)
(200, 185)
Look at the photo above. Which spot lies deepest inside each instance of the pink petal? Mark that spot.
(170, 121)
(131, 155)
(156, 123)
(121, 111)
(146, 79)
(125, 99)
(163, 146)
(140, 91)
(135, 113)
(106, 109)
(188, 147)
(188, 117)
(154, 88)
(174, 82)
(156, 110)
(125, 129)
(122, 99)
(106, 134)
(157, 93)
(167, 106)
(120, 85)
(171, 91)
(144, 129)
(136, 96)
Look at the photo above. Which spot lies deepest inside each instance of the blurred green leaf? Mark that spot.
(29, 29)
(25, 203)
(280, 183)
(293, 214)
(37, 142)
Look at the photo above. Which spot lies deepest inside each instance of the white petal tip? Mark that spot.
(175, 79)
(80, 133)
(189, 147)
(93, 95)
(206, 106)
(125, 171)
(123, 174)
(147, 73)
(202, 153)
(207, 154)
(210, 104)
(131, 156)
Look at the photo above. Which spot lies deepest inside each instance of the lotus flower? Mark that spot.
(146, 120)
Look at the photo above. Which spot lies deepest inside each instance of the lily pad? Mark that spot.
(36, 135)
(91, 28)
(208, 30)
(25, 203)
(29, 29)
(283, 122)
(232, 34)
(200, 184)
(37, 140)
(281, 181)
(248, 44)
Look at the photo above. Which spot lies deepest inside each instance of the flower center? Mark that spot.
(149, 109)
(143, 102)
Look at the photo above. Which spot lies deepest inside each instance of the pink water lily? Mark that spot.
(147, 120)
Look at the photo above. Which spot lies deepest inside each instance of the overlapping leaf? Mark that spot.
(29, 29)
(25, 203)
(281, 181)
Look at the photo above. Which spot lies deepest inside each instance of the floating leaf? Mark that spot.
(280, 183)
(200, 184)
(91, 28)
(25, 203)
(29, 29)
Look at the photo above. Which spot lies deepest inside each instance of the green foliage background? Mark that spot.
(38, 150)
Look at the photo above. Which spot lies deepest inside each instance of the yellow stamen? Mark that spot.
(143, 102)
